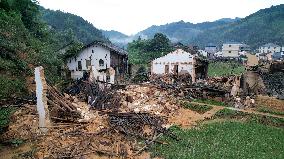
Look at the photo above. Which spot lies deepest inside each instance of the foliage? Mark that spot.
(198, 108)
(71, 27)
(5, 114)
(141, 75)
(223, 140)
(11, 86)
(72, 50)
(143, 51)
(225, 69)
(24, 43)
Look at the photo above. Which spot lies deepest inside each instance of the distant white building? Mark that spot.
(179, 62)
(233, 49)
(218, 54)
(269, 48)
(211, 49)
(105, 62)
(203, 53)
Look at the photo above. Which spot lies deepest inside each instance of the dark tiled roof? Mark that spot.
(110, 46)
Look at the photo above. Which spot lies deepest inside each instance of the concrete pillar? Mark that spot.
(42, 108)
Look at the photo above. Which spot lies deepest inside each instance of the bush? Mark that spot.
(11, 86)
(5, 114)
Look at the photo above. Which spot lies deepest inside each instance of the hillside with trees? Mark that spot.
(71, 27)
(264, 26)
(181, 31)
(25, 42)
(117, 38)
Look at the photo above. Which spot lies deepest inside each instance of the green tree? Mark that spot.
(144, 51)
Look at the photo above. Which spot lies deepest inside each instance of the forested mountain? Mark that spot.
(266, 25)
(181, 31)
(71, 27)
(177, 31)
(117, 38)
(113, 34)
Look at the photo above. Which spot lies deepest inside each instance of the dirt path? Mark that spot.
(187, 118)
(250, 111)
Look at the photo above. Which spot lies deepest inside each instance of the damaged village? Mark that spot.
(70, 90)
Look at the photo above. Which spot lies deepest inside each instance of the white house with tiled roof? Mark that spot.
(101, 60)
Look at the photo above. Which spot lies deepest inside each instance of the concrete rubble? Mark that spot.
(89, 119)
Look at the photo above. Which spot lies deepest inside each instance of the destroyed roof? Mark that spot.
(270, 45)
(177, 51)
(107, 45)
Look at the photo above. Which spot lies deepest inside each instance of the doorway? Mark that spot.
(176, 69)
(167, 69)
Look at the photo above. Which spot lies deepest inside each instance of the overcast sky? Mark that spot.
(131, 16)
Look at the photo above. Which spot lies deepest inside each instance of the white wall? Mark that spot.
(269, 49)
(231, 50)
(203, 53)
(184, 60)
(86, 54)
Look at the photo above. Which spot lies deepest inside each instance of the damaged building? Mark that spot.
(104, 62)
(180, 62)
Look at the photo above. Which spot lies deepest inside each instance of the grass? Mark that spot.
(229, 139)
(210, 101)
(198, 108)
(217, 69)
(253, 118)
(269, 110)
(228, 113)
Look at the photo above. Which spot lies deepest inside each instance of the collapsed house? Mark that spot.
(180, 62)
(104, 62)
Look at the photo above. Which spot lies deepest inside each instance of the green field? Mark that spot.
(217, 69)
(228, 139)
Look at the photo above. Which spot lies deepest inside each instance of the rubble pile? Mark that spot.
(61, 107)
(82, 129)
(98, 95)
(274, 84)
(147, 98)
